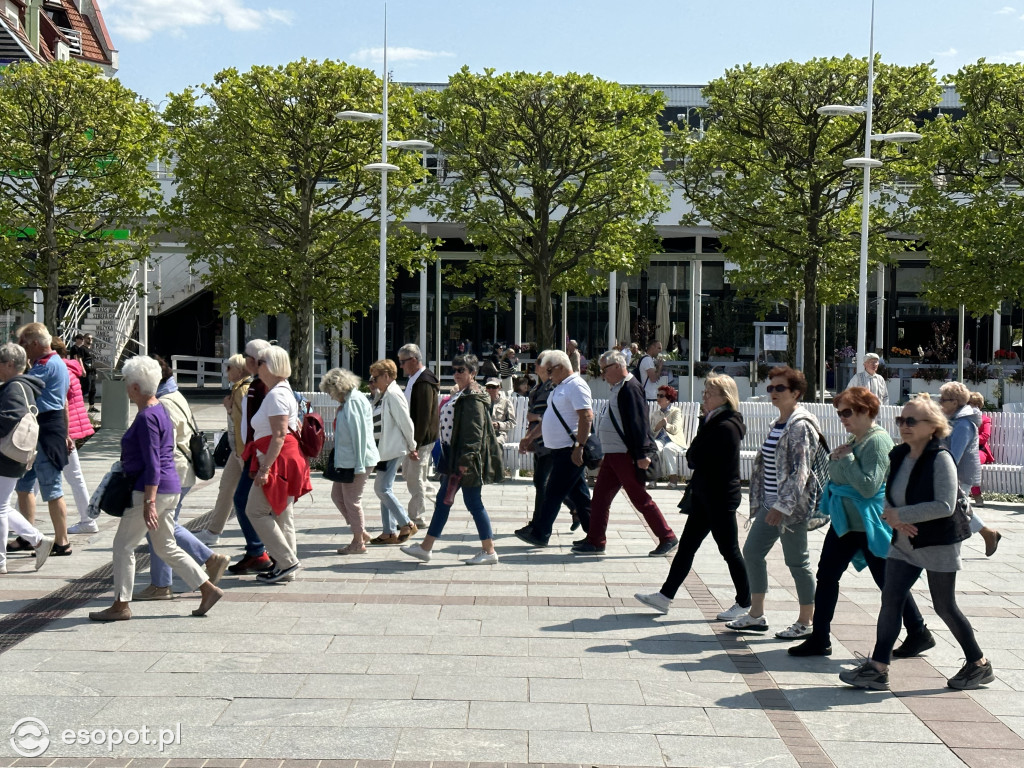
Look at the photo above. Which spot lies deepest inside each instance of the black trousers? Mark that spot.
(565, 483)
(721, 524)
(837, 552)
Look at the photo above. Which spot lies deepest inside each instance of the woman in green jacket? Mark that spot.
(470, 458)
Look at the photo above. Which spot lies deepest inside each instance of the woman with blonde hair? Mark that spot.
(354, 452)
(920, 501)
(396, 439)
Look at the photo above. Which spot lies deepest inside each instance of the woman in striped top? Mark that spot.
(781, 496)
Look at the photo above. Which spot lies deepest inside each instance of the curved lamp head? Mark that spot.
(862, 162)
(835, 110)
(359, 117)
(417, 144)
(385, 167)
(898, 137)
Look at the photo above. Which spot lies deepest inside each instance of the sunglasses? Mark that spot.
(845, 413)
(663, 397)
(373, 379)
(404, 360)
(776, 388)
(907, 421)
(460, 369)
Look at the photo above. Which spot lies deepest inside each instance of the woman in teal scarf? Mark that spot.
(854, 499)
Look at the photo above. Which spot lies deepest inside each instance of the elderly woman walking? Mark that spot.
(354, 452)
(470, 459)
(781, 498)
(147, 454)
(397, 438)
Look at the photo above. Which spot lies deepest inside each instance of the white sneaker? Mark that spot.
(735, 612)
(747, 623)
(415, 550)
(483, 558)
(85, 526)
(43, 549)
(209, 538)
(797, 630)
(655, 600)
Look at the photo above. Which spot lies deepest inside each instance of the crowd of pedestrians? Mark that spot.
(898, 510)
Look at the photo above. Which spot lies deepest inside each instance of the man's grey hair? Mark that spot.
(612, 357)
(254, 346)
(411, 350)
(339, 383)
(14, 353)
(144, 371)
(557, 357)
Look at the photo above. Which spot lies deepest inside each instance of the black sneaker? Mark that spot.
(664, 548)
(526, 534)
(276, 575)
(866, 676)
(586, 548)
(915, 643)
(972, 676)
(810, 647)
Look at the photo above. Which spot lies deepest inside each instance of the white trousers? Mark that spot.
(12, 521)
(75, 478)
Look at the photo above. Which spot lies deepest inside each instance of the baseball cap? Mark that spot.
(492, 382)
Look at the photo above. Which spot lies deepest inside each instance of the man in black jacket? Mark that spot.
(421, 392)
(625, 433)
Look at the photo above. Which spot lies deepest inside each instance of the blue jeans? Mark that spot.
(160, 574)
(392, 513)
(474, 504)
(253, 546)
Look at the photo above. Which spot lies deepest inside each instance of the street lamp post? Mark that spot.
(866, 163)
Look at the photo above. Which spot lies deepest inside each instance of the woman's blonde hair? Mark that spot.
(932, 413)
(237, 363)
(277, 361)
(384, 366)
(976, 399)
(727, 386)
(957, 391)
(339, 383)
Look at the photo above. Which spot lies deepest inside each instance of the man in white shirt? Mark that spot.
(570, 399)
(649, 371)
(421, 392)
(870, 379)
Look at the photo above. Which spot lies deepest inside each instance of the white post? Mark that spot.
(144, 308)
(821, 355)
(423, 296)
(695, 289)
(862, 281)
(233, 334)
(38, 312)
(335, 349)
(880, 310)
(997, 336)
(565, 320)
(346, 335)
(960, 344)
(312, 351)
(800, 335)
(518, 330)
(382, 288)
(612, 309)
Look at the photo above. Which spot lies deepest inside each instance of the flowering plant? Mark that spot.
(900, 352)
(1005, 354)
(846, 352)
(723, 351)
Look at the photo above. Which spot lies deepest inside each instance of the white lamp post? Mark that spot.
(866, 163)
(384, 167)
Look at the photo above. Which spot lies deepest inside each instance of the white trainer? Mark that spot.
(483, 558)
(795, 631)
(735, 612)
(747, 623)
(84, 526)
(655, 600)
(209, 538)
(415, 550)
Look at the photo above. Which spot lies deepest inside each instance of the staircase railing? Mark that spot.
(78, 307)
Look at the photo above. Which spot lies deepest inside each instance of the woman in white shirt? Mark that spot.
(391, 411)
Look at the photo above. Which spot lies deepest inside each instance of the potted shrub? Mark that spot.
(1013, 389)
(981, 378)
(722, 355)
(928, 379)
(900, 356)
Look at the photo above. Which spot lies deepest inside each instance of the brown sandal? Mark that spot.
(407, 531)
(386, 538)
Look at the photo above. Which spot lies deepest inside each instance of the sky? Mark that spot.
(168, 45)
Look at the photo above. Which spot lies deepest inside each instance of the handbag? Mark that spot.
(222, 452)
(653, 471)
(20, 443)
(686, 503)
(592, 450)
(338, 474)
(117, 495)
(200, 456)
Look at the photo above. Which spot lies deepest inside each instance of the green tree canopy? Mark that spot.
(969, 207)
(73, 178)
(272, 195)
(768, 173)
(551, 177)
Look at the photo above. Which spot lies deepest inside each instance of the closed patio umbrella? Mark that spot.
(622, 323)
(663, 326)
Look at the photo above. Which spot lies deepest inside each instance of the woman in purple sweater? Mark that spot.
(147, 453)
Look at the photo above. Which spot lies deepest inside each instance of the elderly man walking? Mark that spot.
(421, 393)
(628, 444)
(871, 379)
(565, 428)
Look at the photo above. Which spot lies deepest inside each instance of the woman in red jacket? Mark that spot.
(79, 430)
(984, 435)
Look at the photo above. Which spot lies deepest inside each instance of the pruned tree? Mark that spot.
(76, 196)
(271, 191)
(551, 177)
(768, 173)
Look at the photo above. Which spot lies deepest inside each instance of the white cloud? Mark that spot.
(140, 19)
(948, 52)
(376, 55)
(1012, 57)
(1006, 10)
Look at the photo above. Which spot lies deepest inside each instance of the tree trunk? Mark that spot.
(299, 343)
(811, 329)
(51, 291)
(545, 318)
(792, 329)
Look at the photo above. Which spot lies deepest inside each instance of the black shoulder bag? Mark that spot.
(200, 455)
(592, 451)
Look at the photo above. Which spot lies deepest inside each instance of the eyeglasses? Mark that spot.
(459, 369)
(776, 388)
(845, 413)
(603, 368)
(908, 421)
(404, 360)
(373, 379)
(663, 397)
(559, 365)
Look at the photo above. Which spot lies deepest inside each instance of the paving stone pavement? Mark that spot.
(377, 661)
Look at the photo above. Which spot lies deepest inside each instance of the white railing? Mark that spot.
(202, 372)
(124, 319)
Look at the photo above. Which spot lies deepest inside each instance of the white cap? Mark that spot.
(492, 382)
(871, 356)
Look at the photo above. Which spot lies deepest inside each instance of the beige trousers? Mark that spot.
(277, 532)
(348, 498)
(225, 495)
(132, 531)
(421, 492)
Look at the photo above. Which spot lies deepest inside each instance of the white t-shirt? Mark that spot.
(570, 396)
(650, 387)
(279, 401)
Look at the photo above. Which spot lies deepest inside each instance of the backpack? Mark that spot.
(311, 434)
(199, 454)
(20, 443)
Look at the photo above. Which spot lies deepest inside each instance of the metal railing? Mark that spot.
(78, 308)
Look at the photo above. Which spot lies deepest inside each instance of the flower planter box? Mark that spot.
(1012, 393)
(900, 361)
(720, 358)
(895, 391)
(920, 385)
(743, 388)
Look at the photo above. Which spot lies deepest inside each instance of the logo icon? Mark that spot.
(30, 737)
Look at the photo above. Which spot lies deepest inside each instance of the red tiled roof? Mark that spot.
(91, 48)
(103, 27)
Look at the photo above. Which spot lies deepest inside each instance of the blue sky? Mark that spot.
(167, 45)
